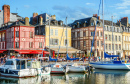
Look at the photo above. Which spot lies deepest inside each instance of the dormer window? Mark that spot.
(92, 24)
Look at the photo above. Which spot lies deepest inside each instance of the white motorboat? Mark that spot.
(74, 67)
(17, 68)
(57, 68)
(37, 66)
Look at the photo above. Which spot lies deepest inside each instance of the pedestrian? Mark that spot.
(99, 58)
(1, 60)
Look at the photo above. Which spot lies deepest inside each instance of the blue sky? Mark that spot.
(73, 9)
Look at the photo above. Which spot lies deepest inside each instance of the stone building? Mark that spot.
(83, 33)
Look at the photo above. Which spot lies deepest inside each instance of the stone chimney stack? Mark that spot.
(26, 21)
(124, 21)
(95, 15)
(40, 20)
(54, 17)
(6, 9)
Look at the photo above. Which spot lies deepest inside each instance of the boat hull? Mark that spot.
(18, 73)
(75, 69)
(111, 66)
(45, 71)
(57, 70)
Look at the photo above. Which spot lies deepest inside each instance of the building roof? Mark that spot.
(107, 22)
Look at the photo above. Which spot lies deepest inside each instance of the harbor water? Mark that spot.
(95, 77)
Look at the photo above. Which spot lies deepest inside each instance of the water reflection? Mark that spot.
(111, 76)
(96, 77)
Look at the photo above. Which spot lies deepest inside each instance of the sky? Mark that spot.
(73, 9)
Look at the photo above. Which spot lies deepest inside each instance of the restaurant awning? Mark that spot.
(63, 50)
(31, 52)
(1, 51)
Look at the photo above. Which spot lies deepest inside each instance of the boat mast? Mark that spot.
(66, 38)
(112, 37)
(49, 36)
(103, 22)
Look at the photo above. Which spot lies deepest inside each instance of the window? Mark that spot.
(97, 43)
(117, 29)
(129, 38)
(54, 41)
(119, 46)
(78, 43)
(31, 34)
(115, 38)
(109, 46)
(107, 28)
(106, 46)
(73, 34)
(116, 46)
(114, 29)
(101, 33)
(109, 37)
(30, 44)
(84, 43)
(91, 43)
(119, 38)
(101, 43)
(84, 33)
(16, 44)
(78, 34)
(92, 24)
(73, 43)
(92, 33)
(40, 44)
(126, 38)
(56, 32)
(17, 33)
(65, 42)
(9, 63)
(51, 32)
(97, 33)
(106, 36)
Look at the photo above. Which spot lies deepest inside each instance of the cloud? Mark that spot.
(123, 5)
(125, 12)
(26, 6)
(89, 3)
(73, 13)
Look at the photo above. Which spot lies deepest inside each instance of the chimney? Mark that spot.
(95, 15)
(26, 21)
(40, 20)
(0, 10)
(54, 17)
(6, 10)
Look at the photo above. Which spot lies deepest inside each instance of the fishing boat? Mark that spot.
(74, 67)
(17, 68)
(57, 68)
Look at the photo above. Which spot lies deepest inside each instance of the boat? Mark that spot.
(40, 70)
(17, 68)
(74, 67)
(57, 68)
(112, 64)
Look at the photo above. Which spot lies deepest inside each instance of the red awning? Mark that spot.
(1, 51)
(31, 52)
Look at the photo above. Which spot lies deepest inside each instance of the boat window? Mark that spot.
(9, 63)
(20, 64)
